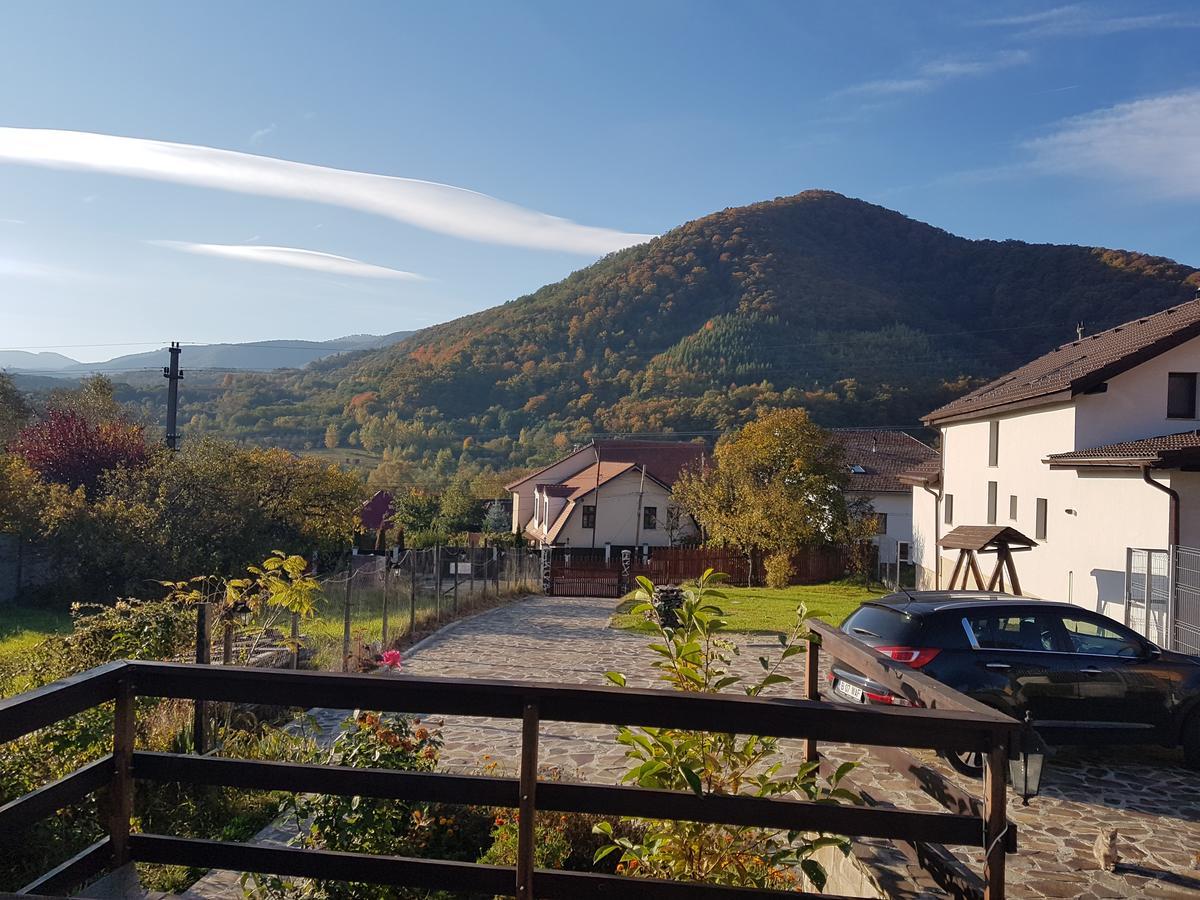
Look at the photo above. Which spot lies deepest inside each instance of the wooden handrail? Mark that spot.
(761, 812)
(945, 727)
(911, 684)
(933, 729)
(54, 702)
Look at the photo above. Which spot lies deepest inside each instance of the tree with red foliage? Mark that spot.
(66, 448)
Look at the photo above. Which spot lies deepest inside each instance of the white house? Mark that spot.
(607, 495)
(1089, 450)
(876, 460)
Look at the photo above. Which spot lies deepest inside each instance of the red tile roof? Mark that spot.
(663, 459)
(1080, 365)
(883, 456)
(1167, 450)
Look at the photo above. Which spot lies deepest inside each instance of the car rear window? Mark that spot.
(890, 625)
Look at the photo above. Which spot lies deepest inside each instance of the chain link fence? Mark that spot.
(377, 602)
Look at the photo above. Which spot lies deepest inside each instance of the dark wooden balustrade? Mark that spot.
(941, 727)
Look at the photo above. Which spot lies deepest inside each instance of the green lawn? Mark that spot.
(770, 610)
(23, 626)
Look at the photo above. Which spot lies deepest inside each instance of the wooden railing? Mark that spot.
(925, 692)
(531, 703)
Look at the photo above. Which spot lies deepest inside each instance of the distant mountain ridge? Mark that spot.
(252, 356)
(857, 313)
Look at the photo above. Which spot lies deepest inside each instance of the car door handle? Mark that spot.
(1091, 670)
(999, 666)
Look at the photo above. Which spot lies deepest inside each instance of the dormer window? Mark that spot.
(857, 470)
(1181, 395)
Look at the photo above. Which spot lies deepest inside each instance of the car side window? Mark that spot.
(1094, 636)
(1013, 631)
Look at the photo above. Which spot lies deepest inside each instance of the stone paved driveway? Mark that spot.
(1145, 793)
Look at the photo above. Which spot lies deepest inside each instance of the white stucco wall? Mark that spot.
(1092, 515)
(926, 512)
(523, 509)
(618, 519)
(1135, 404)
(899, 511)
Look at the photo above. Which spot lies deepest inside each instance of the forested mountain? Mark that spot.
(858, 313)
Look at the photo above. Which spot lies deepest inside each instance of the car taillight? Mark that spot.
(914, 657)
(889, 699)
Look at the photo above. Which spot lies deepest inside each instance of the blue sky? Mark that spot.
(142, 198)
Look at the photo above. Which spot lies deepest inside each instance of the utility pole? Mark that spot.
(173, 376)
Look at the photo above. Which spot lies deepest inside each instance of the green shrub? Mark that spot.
(696, 658)
(779, 570)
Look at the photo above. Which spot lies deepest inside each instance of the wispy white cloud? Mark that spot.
(1077, 20)
(12, 221)
(1152, 144)
(12, 267)
(294, 257)
(437, 207)
(257, 137)
(934, 74)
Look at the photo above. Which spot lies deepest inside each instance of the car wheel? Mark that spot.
(1191, 741)
(965, 762)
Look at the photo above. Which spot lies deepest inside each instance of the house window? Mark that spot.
(992, 490)
(902, 552)
(1012, 506)
(589, 517)
(1039, 528)
(650, 518)
(993, 444)
(880, 523)
(1181, 395)
(949, 509)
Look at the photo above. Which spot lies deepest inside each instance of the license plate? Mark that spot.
(849, 690)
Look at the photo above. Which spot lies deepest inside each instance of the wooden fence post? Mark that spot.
(227, 644)
(471, 589)
(995, 825)
(203, 657)
(386, 571)
(346, 615)
(527, 803)
(437, 580)
(412, 593)
(456, 562)
(811, 691)
(295, 640)
(496, 568)
(121, 787)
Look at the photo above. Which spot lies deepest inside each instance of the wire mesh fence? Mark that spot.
(375, 602)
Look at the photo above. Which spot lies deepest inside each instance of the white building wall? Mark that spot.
(926, 511)
(1135, 403)
(1092, 515)
(898, 508)
(618, 520)
(523, 509)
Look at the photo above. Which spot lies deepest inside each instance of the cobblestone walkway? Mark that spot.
(1144, 793)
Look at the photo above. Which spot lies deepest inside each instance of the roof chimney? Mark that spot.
(874, 443)
(1079, 331)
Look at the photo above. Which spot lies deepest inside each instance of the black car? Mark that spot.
(1083, 678)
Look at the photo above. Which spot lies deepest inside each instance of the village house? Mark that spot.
(1089, 450)
(608, 495)
(876, 458)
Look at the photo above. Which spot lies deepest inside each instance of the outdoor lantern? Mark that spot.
(1025, 769)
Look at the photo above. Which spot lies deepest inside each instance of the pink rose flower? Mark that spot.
(391, 659)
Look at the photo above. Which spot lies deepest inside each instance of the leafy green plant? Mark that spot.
(695, 657)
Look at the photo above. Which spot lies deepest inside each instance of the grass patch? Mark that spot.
(759, 610)
(23, 627)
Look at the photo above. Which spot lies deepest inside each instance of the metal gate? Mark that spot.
(1162, 596)
(1184, 620)
(1148, 592)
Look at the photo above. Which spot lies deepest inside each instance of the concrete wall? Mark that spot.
(618, 517)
